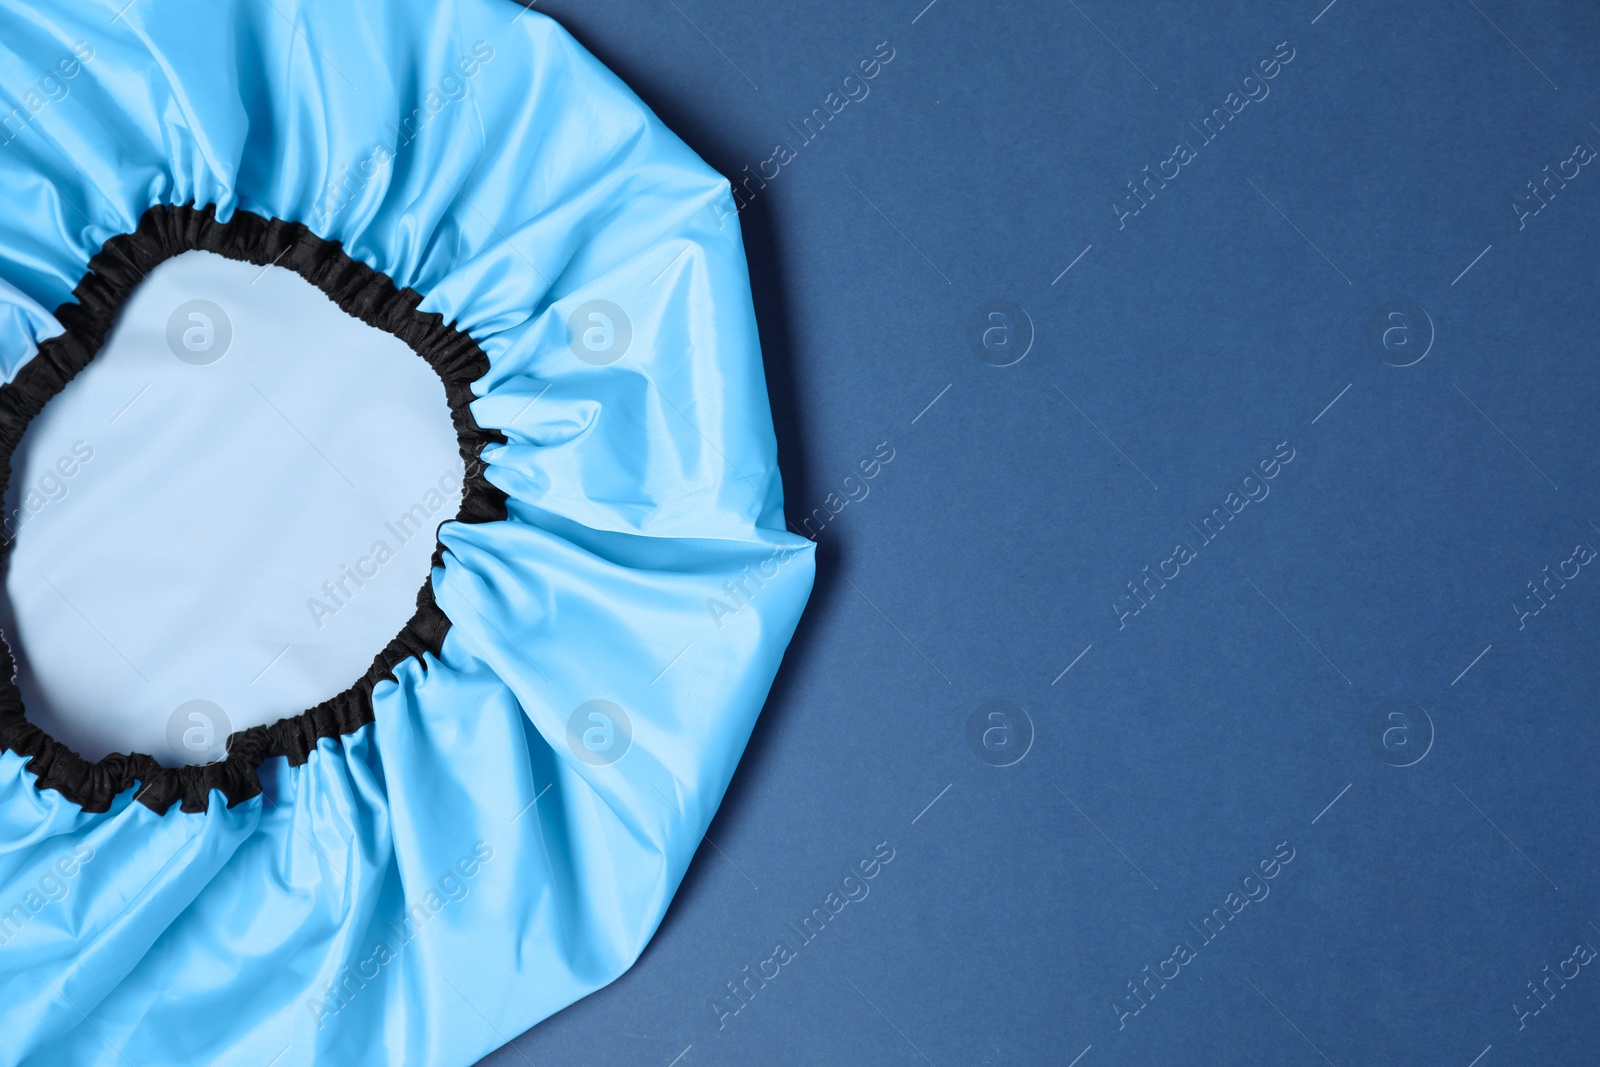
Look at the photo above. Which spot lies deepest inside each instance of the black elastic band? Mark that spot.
(361, 292)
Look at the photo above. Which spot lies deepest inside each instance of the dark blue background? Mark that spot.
(1181, 749)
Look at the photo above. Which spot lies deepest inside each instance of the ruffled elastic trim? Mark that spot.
(359, 291)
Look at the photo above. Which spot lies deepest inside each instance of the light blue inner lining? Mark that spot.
(249, 531)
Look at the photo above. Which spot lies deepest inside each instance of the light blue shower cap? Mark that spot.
(491, 823)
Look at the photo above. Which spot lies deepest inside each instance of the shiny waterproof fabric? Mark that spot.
(423, 888)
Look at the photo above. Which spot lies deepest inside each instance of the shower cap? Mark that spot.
(492, 821)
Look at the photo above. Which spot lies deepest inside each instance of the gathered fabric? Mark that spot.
(490, 822)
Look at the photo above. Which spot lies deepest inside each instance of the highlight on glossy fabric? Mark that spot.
(490, 822)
